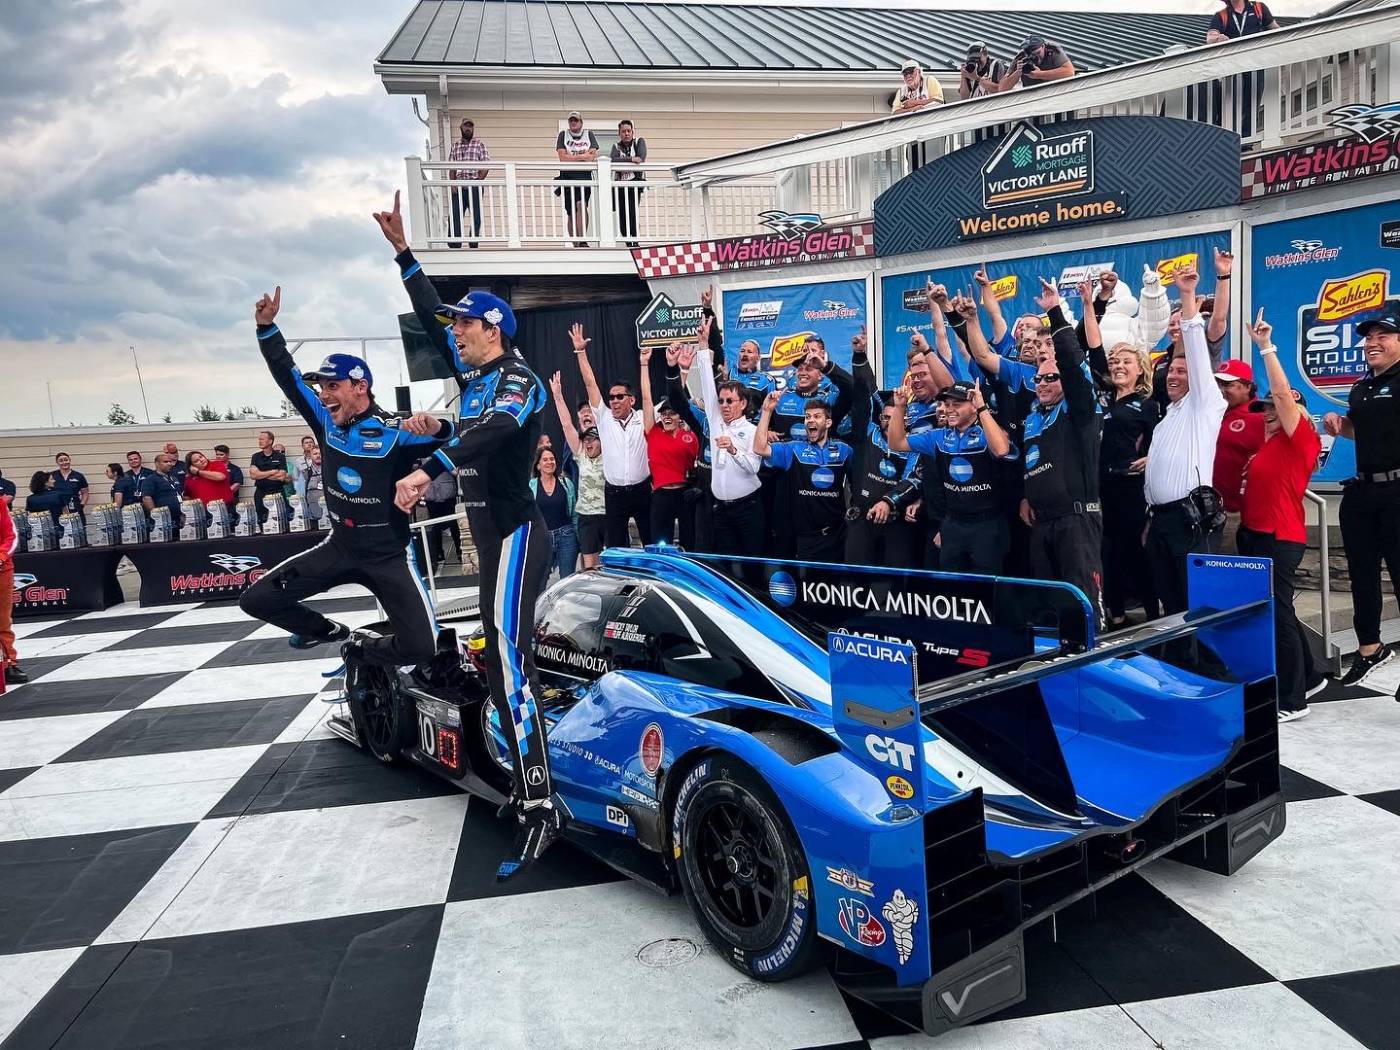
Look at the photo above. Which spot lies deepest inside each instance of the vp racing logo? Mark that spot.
(789, 225)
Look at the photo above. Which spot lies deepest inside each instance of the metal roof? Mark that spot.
(593, 34)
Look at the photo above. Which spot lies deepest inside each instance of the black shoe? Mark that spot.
(473, 244)
(306, 641)
(14, 676)
(536, 830)
(1364, 665)
(1316, 684)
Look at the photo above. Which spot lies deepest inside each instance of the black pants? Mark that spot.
(435, 548)
(699, 511)
(470, 196)
(1292, 654)
(892, 545)
(1370, 519)
(1125, 568)
(738, 526)
(973, 544)
(511, 571)
(827, 546)
(1171, 536)
(625, 204)
(624, 503)
(278, 598)
(1070, 549)
(671, 513)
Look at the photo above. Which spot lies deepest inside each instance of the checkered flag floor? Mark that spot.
(188, 859)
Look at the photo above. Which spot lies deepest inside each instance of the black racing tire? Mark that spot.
(743, 870)
(382, 718)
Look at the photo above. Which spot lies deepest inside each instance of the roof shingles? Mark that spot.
(598, 34)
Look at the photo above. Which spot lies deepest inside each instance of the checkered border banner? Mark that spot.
(678, 260)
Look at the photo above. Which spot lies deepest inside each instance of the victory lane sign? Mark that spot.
(663, 322)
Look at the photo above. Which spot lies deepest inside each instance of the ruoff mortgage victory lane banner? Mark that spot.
(1317, 278)
(781, 318)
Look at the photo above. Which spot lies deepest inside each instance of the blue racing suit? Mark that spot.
(500, 409)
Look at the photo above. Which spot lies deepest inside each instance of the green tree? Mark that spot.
(166, 418)
(229, 414)
(119, 417)
(207, 414)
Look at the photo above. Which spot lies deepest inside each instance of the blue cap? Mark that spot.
(341, 366)
(484, 307)
(1382, 318)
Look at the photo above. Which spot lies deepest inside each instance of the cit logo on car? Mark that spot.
(890, 751)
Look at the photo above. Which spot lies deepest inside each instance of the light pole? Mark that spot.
(141, 384)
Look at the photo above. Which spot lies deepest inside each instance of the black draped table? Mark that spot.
(66, 581)
(85, 579)
(212, 570)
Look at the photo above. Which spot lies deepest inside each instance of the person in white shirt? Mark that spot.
(737, 506)
(1185, 514)
(626, 469)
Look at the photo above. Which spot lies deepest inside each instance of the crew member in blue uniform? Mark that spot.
(364, 451)
(816, 377)
(502, 404)
(161, 488)
(757, 382)
(883, 483)
(963, 461)
(817, 466)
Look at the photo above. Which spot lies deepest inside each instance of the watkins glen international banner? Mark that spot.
(796, 239)
(781, 318)
(1372, 149)
(1317, 278)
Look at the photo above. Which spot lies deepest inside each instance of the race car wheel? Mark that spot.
(743, 870)
(380, 716)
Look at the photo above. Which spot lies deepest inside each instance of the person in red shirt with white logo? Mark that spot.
(1272, 523)
(671, 453)
(1241, 436)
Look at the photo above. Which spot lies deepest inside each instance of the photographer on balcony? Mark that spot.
(981, 74)
(1038, 62)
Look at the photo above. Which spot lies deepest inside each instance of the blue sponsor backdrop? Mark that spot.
(1316, 277)
(899, 320)
(781, 317)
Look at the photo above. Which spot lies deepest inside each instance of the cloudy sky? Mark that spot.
(168, 160)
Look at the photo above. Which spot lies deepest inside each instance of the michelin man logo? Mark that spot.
(901, 913)
(493, 315)
(356, 373)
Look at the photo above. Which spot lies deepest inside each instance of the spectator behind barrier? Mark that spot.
(1038, 62)
(628, 151)
(44, 497)
(981, 74)
(468, 149)
(917, 89)
(115, 472)
(206, 480)
(235, 472)
(70, 485)
(1240, 18)
(577, 150)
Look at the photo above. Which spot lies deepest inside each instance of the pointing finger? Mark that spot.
(1260, 319)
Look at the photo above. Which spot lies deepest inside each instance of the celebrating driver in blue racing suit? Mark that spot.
(501, 405)
(364, 452)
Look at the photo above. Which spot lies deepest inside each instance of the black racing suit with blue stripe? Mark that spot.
(494, 448)
(369, 538)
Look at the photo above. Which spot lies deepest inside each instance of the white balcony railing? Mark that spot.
(521, 205)
(1273, 90)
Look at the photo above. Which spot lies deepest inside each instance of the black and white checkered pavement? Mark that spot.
(189, 860)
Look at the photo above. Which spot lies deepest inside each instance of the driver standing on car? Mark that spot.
(501, 412)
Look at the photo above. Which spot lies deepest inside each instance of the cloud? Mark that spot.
(166, 162)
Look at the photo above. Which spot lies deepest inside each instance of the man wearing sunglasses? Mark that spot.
(1060, 451)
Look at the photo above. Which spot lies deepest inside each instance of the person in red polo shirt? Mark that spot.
(1241, 436)
(671, 452)
(1272, 523)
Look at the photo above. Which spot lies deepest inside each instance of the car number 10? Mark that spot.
(427, 735)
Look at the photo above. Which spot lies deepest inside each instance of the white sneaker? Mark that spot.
(1285, 715)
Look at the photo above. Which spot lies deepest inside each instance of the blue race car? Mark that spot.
(894, 773)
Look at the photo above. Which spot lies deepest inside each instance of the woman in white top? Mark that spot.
(588, 455)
